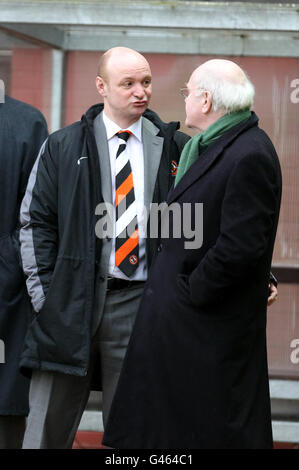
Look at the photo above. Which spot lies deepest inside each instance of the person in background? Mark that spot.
(195, 374)
(23, 129)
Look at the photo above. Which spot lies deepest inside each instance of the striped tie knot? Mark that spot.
(124, 135)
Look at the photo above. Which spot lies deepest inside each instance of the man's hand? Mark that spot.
(273, 294)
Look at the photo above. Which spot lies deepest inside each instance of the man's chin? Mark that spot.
(137, 113)
(139, 109)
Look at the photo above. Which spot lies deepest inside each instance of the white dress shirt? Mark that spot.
(134, 148)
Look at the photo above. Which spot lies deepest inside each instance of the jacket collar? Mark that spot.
(209, 156)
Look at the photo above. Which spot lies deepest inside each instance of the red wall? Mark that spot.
(31, 78)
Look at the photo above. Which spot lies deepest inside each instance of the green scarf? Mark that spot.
(195, 146)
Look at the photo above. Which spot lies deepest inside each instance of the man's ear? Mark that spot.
(100, 85)
(207, 103)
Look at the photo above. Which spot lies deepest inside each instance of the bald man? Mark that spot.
(85, 276)
(195, 375)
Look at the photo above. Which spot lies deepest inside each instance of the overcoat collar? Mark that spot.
(209, 156)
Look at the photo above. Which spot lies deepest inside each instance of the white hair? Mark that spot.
(226, 95)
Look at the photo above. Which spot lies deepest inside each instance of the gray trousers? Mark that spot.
(57, 400)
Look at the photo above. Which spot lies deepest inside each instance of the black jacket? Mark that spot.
(195, 374)
(60, 250)
(22, 131)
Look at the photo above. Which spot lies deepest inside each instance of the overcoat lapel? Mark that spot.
(208, 157)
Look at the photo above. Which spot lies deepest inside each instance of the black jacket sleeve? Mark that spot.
(39, 233)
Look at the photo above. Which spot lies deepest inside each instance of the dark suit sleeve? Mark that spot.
(273, 280)
(37, 136)
(248, 215)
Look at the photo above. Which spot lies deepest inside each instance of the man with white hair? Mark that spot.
(195, 374)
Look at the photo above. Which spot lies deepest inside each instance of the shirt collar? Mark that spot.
(112, 128)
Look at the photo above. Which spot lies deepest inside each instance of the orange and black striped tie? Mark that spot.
(126, 233)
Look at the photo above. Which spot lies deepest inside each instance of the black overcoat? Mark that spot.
(22, 132)
(195, 374)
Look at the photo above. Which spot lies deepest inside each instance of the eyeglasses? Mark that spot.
(185, 92)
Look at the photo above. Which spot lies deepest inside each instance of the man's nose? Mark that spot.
(139, 90)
